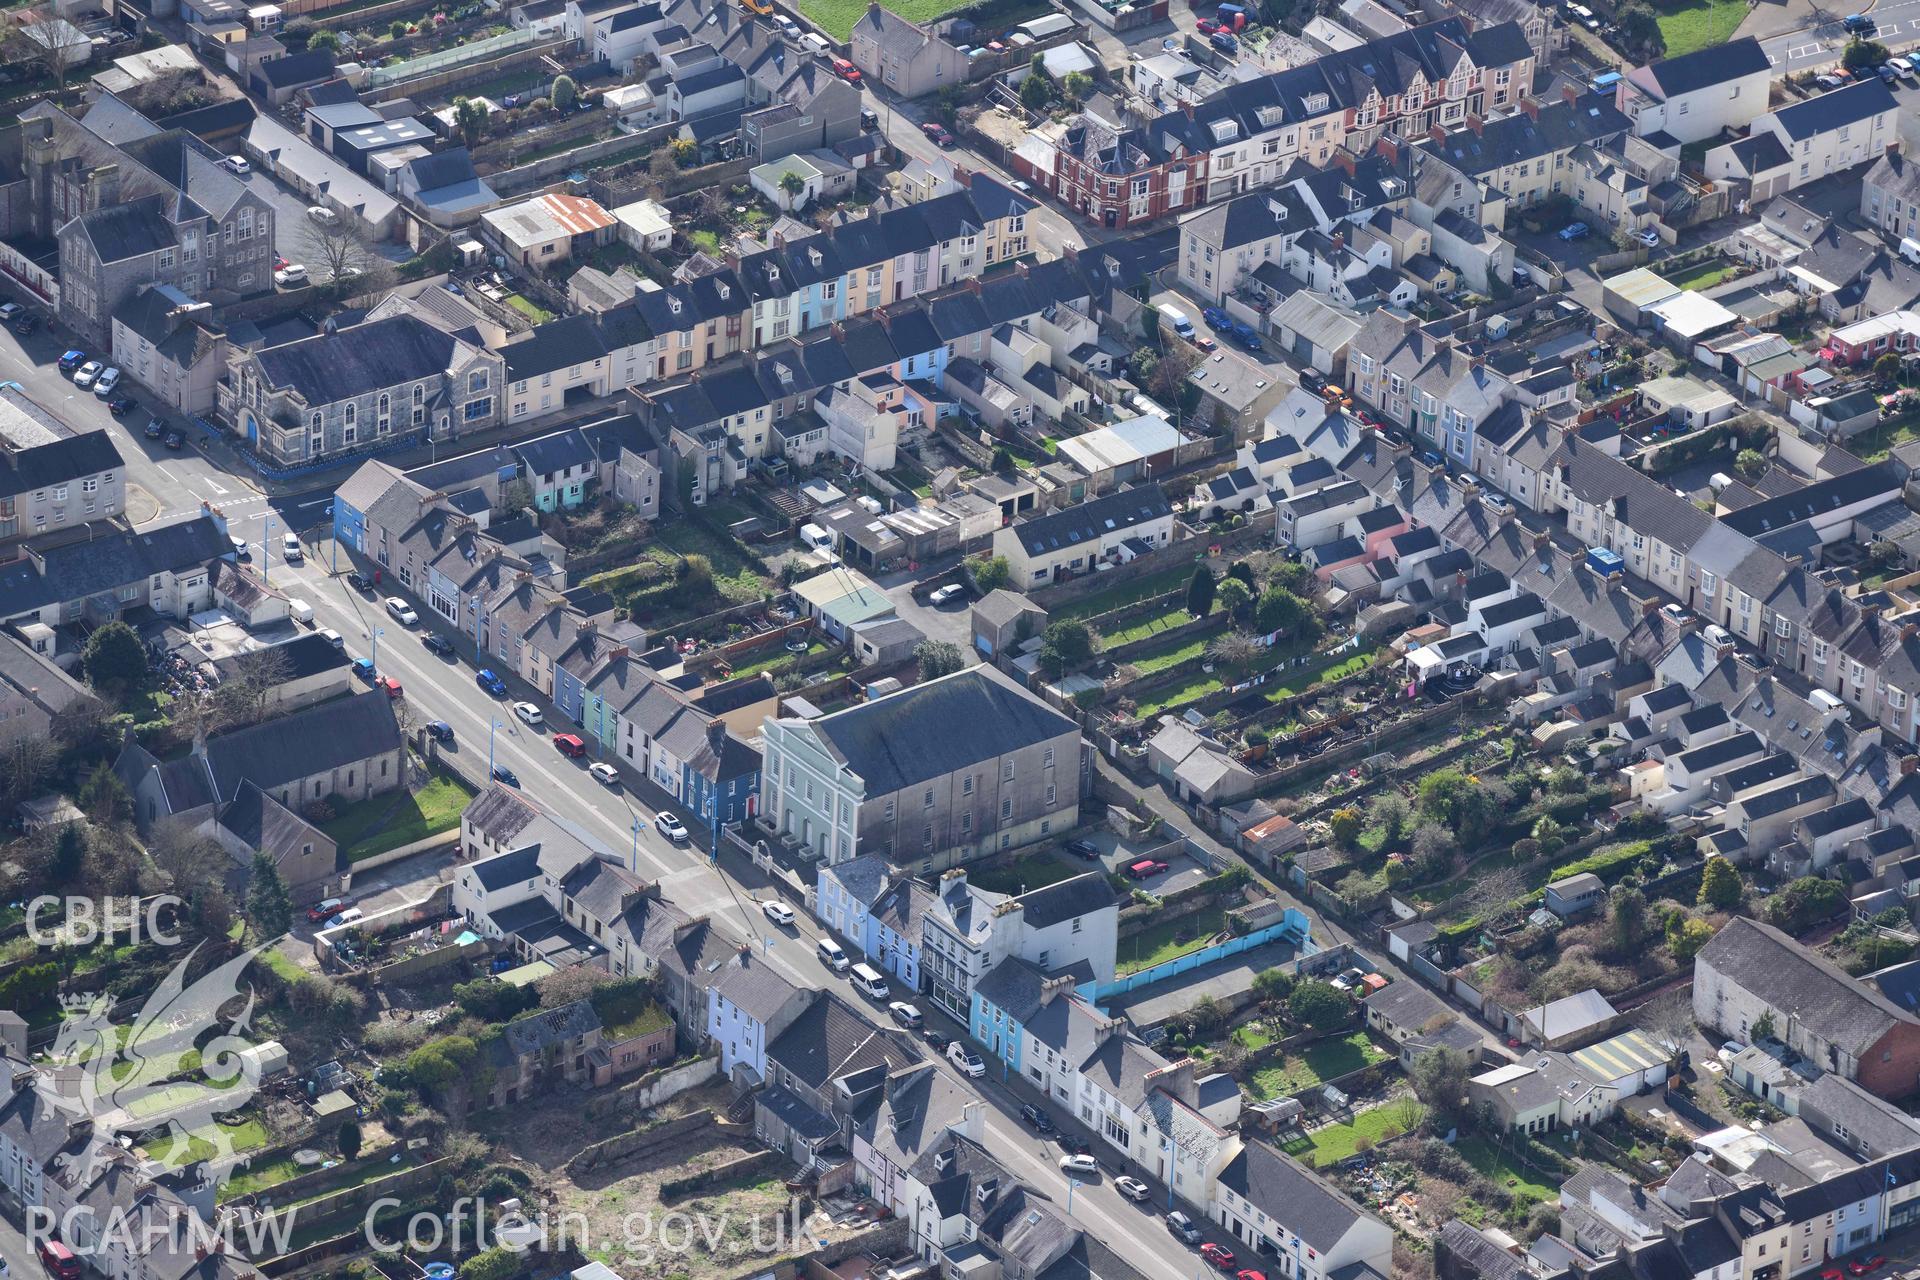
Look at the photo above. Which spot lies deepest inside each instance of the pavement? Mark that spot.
(1816, 37)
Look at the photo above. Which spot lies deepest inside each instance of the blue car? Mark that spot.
(492, 683)
(1216, 318)
(1573, 231)
(363, 667)
(72, 360)
(1247, 336)
(503, 774)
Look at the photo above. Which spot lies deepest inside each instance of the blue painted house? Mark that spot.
(844, 895)
(892, 937)
(1003, 1000)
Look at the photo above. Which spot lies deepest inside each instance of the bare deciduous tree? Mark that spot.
(245, 697)
(338, 250)
(52, 44)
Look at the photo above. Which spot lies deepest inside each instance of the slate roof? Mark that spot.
(754, 987)
(936, 728)
(130, 230)
(1519, 137)
(1088, 522)
(1802, 985)
(1064, 899)
(1717, 64)
(58, 461)
(831, 1041)
(316, 739)
(516, 866)
(359, 359)
(1826, 112)
(296, 69)
(77, 570)
(1304, 1204)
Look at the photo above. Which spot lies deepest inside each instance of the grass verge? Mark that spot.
(1700, 25)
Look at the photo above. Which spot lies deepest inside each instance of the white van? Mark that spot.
(1910, 250)
(832, 956)
(1178, 321)
(868, 982)
(815, 537)
(301, 611)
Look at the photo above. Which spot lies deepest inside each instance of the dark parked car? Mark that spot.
(120, 406)
(503, 774)
(938, 133)
(24, 325)
(439, 730)
(935, 1039)
(437, 643)
(1040, 1121)
(72, 360)
(174, 440)
(360, 581)
(1084, 849)
(1072, 1145)
(154, 429)
(1313, 380)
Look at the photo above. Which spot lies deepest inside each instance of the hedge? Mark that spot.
(1607, 858)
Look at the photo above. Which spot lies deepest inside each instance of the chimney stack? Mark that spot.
(1343, 159)
(1477, 124)
(1435, 132)
(1909, 765)
(1388, 149)
(1186, 105)
(1531, 107)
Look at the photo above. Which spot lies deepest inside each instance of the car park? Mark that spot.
(402, 612)
(1132, 1188)
(1886, 72)
(87, 374)
(951, 591)
(967, 1060)
(439, 730)
(492, 683)
(1080, 1166)
(435, 643)
(528, 713)
(671, 827)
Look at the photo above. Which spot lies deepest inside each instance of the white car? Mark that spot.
(401, 612)
(322, 215)
(290, 549)
(237, 164)
(1132, 1188)
(951, 591)
(11, 311)
(84, 376)
(528, 713)
(1079, 1166)
(670, 827)
(818, 44)
(292, 276)
(109, 379)
(604, 773)
(778, 912)
(966, 1059)
(1648, 237)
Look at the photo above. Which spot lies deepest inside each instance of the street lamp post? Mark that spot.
(266, 552)
(634, 864)
(493, 724)
(375, 658)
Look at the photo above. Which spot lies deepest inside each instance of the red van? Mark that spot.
(569, 745)
(59, 1260)
(1146, 869)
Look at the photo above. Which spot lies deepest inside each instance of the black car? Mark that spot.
(120, 406)
(1071, 1145)
(1313, 380)
(439, 730)
(503, 774)
(174, 440)
(437, 643)
(360, 582)
(1084, 849)
(154, 429)
(1037, 1118)
(935, 1039)
(24, 325)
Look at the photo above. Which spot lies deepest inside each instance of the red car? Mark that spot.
(938, 133)
(1219, 1255)
(388, 683)
(1207, 26)
(1833, 1273)
(846, 71)
(1863, 1266)
(59, 1260)
(569, 745)
(1146, 869)
(1251, 1274)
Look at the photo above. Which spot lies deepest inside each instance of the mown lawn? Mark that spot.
(1705, 276)
(1173, 615)
(1505, 1171)
(836, 17)
(1167, 657)
(1700, 25)
(372, 826)
(248, 1135)
(1336, 1142)
(529, 308)
(1154, 584)
(1157, 944)
(1315, 1065)
(1199, 683)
